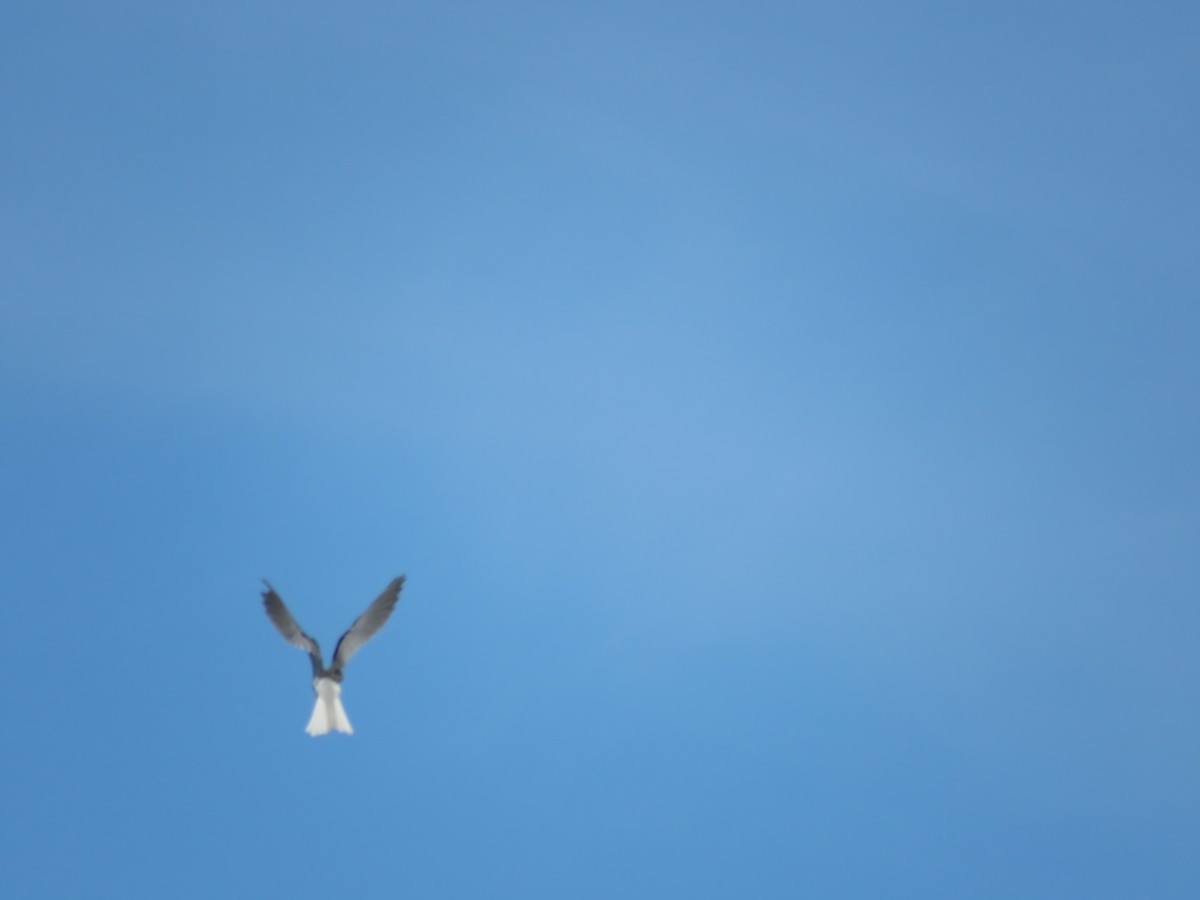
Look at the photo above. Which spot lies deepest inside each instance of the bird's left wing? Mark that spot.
(290, 628)
(366, 625)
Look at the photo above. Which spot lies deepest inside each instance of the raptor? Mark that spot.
(328, 714)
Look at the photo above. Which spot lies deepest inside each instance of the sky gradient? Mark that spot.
(785, 415)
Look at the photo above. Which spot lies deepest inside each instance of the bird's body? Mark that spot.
(328, 713)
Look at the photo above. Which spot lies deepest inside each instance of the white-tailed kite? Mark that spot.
(328, 713)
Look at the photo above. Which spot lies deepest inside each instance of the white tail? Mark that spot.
(328, 714)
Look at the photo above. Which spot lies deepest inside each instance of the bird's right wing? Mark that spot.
(366, 625)
(290, 628)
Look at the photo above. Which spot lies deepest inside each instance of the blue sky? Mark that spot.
(784, 415)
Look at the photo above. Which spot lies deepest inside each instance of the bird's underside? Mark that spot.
(328, 713)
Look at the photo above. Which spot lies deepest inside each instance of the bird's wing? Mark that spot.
(290, 628)
(367, 624)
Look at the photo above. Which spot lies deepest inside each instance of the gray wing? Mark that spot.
(290, 628)
(367, 624)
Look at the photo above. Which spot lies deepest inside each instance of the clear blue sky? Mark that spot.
(785, 414)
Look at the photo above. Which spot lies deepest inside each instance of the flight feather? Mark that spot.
(366, 625)
(287, 626)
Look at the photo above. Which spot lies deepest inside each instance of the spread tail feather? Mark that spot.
(328, 713)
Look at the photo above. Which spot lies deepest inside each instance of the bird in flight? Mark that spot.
(328, 713)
